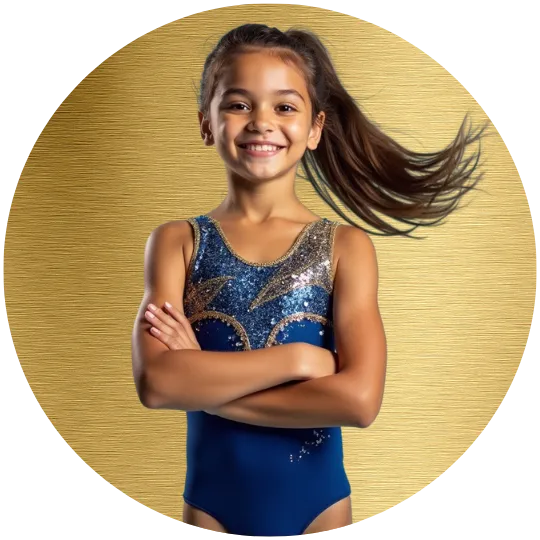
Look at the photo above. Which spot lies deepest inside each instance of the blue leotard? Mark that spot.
(259, 480)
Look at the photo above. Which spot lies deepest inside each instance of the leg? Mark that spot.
(199, 518)
(335, 516)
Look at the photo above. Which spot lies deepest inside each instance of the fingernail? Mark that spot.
(167, 304)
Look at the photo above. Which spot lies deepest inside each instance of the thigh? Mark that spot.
(335, 516)
(194, 516)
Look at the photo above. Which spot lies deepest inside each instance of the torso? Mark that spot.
(242, 294)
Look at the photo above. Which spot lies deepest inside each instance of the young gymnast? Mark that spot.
(272, 339)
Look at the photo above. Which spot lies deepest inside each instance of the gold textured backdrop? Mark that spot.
(123, 154)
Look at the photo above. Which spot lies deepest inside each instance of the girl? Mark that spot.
(272, 338)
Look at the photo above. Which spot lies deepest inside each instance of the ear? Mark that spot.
(316, 131)
(206, 132)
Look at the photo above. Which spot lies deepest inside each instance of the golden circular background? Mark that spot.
(123, 154)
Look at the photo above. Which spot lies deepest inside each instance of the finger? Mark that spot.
(159, 324)
(182, 319)
(176, 335)
(178, 314)
(164, 338)
(165, 317)
(171, 326)
(162, 316)
(174, 341)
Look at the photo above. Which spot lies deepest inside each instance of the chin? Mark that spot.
(267, 175)
(254, 176)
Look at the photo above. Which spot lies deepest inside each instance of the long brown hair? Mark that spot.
(365, 168)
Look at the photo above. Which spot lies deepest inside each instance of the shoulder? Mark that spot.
(169, 234)
(355, 253)
(348, 234)
(169, 240)
(352, 241)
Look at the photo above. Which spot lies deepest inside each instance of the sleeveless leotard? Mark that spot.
(259, 480)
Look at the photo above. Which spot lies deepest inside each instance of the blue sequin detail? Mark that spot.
(262, 297)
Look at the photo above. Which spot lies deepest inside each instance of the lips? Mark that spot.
(260, 153)
(269, 147)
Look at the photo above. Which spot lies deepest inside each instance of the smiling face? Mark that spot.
(261, 98)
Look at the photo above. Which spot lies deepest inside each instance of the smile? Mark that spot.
(257, 150)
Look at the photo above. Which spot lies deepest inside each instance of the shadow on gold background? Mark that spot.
(123, 154)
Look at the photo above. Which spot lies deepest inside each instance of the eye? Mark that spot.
(234, 105)
(292, 109)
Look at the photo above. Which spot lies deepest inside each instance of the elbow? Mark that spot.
(145, 379)
(146, 397)
(149, 400)
(149, 386)
(366, 410)
(161, 391)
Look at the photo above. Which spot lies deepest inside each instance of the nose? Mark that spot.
(261, 120)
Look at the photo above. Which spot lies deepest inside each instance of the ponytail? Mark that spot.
(363, 167)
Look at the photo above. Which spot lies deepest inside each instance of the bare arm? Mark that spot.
(322, 402)
(191, 379)
(353, 396)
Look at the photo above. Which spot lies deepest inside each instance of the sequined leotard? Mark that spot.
(258, 480)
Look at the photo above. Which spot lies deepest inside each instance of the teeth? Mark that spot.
(261, 148)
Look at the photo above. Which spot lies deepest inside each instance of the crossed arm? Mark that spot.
(321, 402)
(265, 387)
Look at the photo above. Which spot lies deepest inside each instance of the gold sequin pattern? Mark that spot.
(199, 295)
(309, 264)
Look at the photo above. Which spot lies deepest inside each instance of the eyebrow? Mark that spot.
(245, 92)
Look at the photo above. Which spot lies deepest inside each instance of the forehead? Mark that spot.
(260, 73)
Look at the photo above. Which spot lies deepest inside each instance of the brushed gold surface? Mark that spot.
(123, 154)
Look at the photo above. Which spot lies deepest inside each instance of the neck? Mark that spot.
(260, 200)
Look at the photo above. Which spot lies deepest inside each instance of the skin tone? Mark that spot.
(261, 191)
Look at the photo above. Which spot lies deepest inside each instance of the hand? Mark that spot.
(318, 361)
(174, 330)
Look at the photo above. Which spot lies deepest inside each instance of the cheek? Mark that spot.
(229, 131)
(296, 131)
